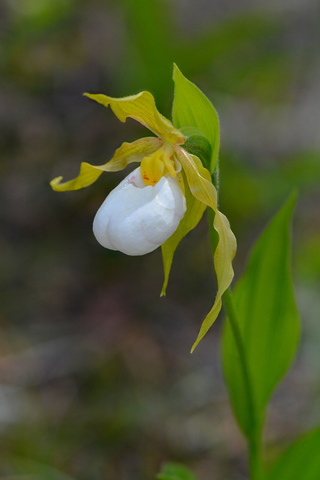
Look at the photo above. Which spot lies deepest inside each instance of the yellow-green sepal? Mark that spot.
(190, 220)
(127, 153)
(199, 181)
(142, 108)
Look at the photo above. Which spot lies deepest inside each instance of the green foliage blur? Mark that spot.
(96, 380)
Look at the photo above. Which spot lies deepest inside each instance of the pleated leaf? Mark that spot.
(268, 321)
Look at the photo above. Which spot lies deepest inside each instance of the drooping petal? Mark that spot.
(127, 153)
(192, 217)
(200, 184)
(136, 219)
(142, 108)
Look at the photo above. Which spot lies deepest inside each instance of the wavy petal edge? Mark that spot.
(127, 153)
(202, 188)
(142, 108)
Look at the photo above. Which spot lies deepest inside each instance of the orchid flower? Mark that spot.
(161, 200)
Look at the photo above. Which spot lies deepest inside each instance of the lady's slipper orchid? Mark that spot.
(161, 200)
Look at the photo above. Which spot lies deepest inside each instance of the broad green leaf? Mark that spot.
(192, 217)
(268, 322)
(191, 108)
(301, 460)
(175, 471)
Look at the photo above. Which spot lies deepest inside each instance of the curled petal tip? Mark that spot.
(55, 182)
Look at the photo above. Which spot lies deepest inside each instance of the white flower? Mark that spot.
(136, 219)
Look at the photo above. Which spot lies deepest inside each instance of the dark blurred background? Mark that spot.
(96, 379)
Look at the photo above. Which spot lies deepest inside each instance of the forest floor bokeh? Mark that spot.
(96, 380)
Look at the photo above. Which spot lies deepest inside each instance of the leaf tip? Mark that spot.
(176, 71)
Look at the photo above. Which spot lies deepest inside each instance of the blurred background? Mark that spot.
(96, 379)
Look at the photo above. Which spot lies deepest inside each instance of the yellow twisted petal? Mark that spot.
(142, 108)
(199, 181)
(127, 153)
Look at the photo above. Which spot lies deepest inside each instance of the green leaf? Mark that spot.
(191, 108)
(301, 460)
(175, 471)
(190, 220)
(268, 322)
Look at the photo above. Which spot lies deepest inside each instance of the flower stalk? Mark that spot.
(254, 441)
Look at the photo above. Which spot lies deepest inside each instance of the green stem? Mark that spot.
(232, 317)
(254, 435)
(255, 457)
